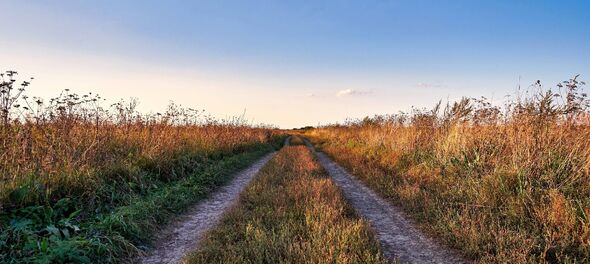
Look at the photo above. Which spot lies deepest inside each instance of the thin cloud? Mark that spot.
(429, 85)
(350, 92)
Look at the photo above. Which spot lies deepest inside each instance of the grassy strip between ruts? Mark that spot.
(291, 213)
(65, 233)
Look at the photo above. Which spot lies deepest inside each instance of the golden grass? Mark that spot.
(291, 213)
(60, 158)
(71, 144)
(79, 180)
(505, 184)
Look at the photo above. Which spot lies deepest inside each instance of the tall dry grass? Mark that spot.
(503, 184)
(81, 182)
(72, 144)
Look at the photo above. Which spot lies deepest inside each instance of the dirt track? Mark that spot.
(399, 239)
(184, 234)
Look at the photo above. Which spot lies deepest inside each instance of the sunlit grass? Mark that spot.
(503, 184)
(80, 180)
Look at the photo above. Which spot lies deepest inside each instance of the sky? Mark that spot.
(294, 63)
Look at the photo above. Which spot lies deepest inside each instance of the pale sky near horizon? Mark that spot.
(294, 63)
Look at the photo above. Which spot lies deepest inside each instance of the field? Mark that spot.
(506, 184)
(80, 181)
(292, 212)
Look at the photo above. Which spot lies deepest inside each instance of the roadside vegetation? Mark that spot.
(81, 182)
(291, 213)
(505, 184)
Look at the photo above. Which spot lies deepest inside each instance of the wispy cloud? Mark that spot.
(310, 95)
(350, 92)
(429, 85)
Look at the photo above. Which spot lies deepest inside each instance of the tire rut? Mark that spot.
(183, 236)
(400, 240)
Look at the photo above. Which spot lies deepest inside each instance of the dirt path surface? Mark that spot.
(400, 240)
(183, 236)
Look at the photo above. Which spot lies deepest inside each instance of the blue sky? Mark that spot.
(294, 63)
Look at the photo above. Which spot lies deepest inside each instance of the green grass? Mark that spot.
(291, 213)
(121, 221)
